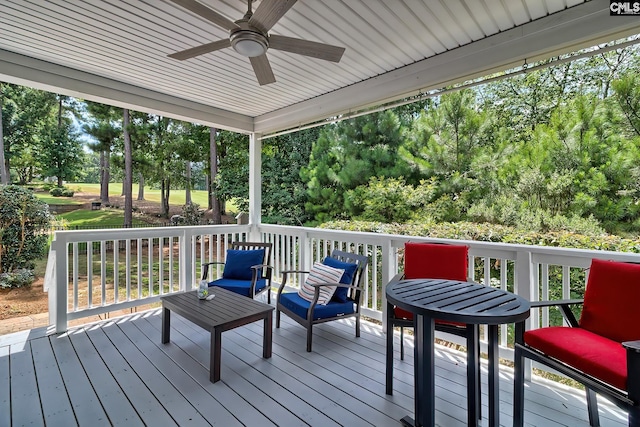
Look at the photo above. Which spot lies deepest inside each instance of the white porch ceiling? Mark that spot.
(115, 51)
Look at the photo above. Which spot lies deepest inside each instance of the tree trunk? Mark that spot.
(207, 185)
(105, 176)
(164, 197)
(187, 195)
(140, 186)
(213, 159)
(4, 170)
(128, 173)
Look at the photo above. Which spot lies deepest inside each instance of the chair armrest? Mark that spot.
(285, 276)
(294, 271)
(560, 302)
(564, 304)
(205, 268)
(398, 277)
(632, 345)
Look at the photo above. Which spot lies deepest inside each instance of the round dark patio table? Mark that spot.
(456, 301)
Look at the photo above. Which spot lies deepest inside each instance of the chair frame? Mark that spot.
(626, 399)
(355, 293)
(266, 268)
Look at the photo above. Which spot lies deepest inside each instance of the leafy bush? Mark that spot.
(24, 222)
(191, 214)
(61, 192)
(17, 278)
(493, 233)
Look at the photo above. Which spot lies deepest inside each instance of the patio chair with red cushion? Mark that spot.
(433, 261)
(601, 351)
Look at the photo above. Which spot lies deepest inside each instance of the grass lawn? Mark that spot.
(96, 218)
(50, 200)
(176, 197)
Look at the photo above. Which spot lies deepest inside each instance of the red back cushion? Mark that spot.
(611, 300)
(435, 261)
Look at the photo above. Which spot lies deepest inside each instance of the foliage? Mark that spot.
(492, 233)
(347, 155)
(283, 191)
(191, 214)
(390, 200)
(233, 169)
(24, 221)
(16, 279)
(61, 192)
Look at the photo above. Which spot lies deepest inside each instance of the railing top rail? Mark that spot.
(71, 236)
(543, 254)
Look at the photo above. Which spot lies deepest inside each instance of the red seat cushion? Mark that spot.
(611, 300)
(590, 353)
(433, 261)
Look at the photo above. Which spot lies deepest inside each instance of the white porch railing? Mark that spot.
(98, 271)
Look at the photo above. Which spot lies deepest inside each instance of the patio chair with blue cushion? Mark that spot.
(332, 290)
(246, 269)
(601, 351)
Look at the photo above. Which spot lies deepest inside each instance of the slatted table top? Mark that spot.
(458, 301)
(225, 308)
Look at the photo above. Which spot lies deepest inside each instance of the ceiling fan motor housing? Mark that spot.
(247, 40)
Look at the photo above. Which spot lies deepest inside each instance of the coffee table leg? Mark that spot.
(494, 377)
(267, 338)
(216, 355)
(166, 325)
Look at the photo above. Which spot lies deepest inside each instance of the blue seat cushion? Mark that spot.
(239, 286)
(342, 294)
(299, 306)
(238, 263)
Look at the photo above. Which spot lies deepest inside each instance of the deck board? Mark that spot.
(112, 399)
(56, 406)
(117, 372)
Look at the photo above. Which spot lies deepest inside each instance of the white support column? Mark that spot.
(255, 184)
(61, 284)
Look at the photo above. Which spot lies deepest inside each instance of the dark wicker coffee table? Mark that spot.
(226, 311)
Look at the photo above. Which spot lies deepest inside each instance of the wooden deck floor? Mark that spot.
(118, 373)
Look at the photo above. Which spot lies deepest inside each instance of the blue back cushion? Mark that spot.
(341, 294)
(238, 263)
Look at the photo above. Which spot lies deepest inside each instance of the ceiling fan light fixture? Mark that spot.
(249, 43)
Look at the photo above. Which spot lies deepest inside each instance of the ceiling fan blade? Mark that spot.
(307, 48)
(262, 68)
(269, 12)
(199, 50)
(206, 13)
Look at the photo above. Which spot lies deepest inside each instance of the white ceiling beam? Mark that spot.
(27, 71)
(581, 26)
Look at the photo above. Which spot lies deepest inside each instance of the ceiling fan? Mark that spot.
(249, 36)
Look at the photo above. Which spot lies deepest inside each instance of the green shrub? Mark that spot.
(16, 279)
(24, 223)
(191, 214)
(485, 232)
(56, 192)
(61, 192)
